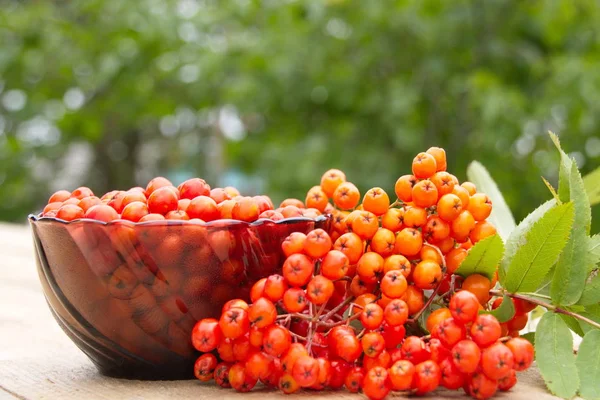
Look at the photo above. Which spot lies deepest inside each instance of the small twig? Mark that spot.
(334, 324)
(396, 203)
(547, 306)
(361, 333)
(337, 308)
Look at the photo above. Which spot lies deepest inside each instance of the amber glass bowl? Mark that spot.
(129, 294)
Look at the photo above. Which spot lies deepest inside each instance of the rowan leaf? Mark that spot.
(504, 312)
(573, 324)
(591, 182)
(573, 264)
(554, 356)
(591, 312)
(483, 258)
(539, 249)
(591, 292)
(588, 365)
(564, 170)
(517, 236)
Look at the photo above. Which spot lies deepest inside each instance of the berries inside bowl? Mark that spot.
(128, 274)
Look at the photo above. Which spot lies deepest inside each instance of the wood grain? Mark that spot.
(38, 361)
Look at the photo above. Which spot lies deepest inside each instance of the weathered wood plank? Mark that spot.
(38, 361)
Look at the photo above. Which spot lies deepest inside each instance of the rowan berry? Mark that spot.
(221, 375)
(383, 242)
(239, 379)
(440, 157)
(316, 198)
(297, 270)
(480, 206)
(291, 212)
(101, 212)
(393, 335)
(376, 383)
(206, 335)
(395, 312)
(404, 186)
(436, 229)
(449, 332)
(339, 370)
(496, 361)
(427, 377)
(331, 180)
(414, 217)
(414, 350)
(292, 202)
(443, 181)
(470, 187)
(429, 252)
(371, 316)
(319, 290)
(347, 347)
(346, 196)
(235, 303)
(242, 348)
(427, 274)
(397, 262)
(204, 367)
(203, 207)
(372, 344)
(257, 289)
(245, 209)
(482, 230)
(295, 351)
(276, 340)
(449, 207)
(522, 351)
(451, 378)
(446, 245)
(317, 243)
(91, 201)
(506, 383)
(466, 356)
(478, 285)
(306, 371)
(365, 224)
(486, 330)
(408, 242)
(354, 379)
(79, 193)
(437, 316)
(393, 219)
(480, 386)
(464, 306)
(370, 267)
(393, 284)
(275, 287)
(287, 384)
(351, 245)
(517, 323)
(424, 194)
(334, 265)
(437, 350)
(261, 313)
(401, 375)
(152, 217)
(69, 212)
(424, 166)
(193, 188)
(60, 196)
(177, 215)
(522, 306)
(454, 258)
(358, 287)
(376, 201)
(414, 299)
(234, 322)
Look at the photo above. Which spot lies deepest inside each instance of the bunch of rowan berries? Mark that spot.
(192, 200)
(339, 313)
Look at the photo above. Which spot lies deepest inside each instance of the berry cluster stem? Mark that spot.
(546, 305)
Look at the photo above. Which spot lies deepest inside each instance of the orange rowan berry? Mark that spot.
(338, 222)
(414, 299)
(334, 265)
(436, 229)
(423, 166)
(376, 201)
(427, 274)
(397, 262)
(480, 206)
(440, 157)
(393, 219)
(428, 252)
(316, 198)
(463, 195)
(408, 242)
(446, 245)
(462, 226)
(297, 269)
(331, 180)
(346, 196)
(471, 188)
(425, 194)
(292, 202)
(319, 290)
(454, 258)
(358, 286)
(482, 230)
(443, 181)
(393, 284)
(365, 224)
(449, 207)
(415, 217)
(479, 285)
(383, 242)
(317, 243)
(404, 186)
(293, 244)
(370, 267)
(436, 317)
(351, 245)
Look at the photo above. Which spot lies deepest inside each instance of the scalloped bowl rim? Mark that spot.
(220, 223)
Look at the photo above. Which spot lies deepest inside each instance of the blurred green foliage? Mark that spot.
(269, 94)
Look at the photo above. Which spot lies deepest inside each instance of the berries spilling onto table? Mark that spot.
(374, 305)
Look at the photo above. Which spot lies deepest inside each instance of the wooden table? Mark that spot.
(37, 360)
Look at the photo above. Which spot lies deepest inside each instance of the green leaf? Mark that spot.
(483, 258)
(591, 312)
(505, 312)
(588, 365)
(573, 264)
(591, 292)
(572, 323)
(564, 171)
(594, 250)
(591, 182)
(516, 238)
(539, 249)
(529, 336)
(501, 215)
(554, 356)
(552, 190)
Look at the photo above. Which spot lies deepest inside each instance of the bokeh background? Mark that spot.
(267, 95)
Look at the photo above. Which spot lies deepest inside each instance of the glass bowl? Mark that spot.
(129, 294)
